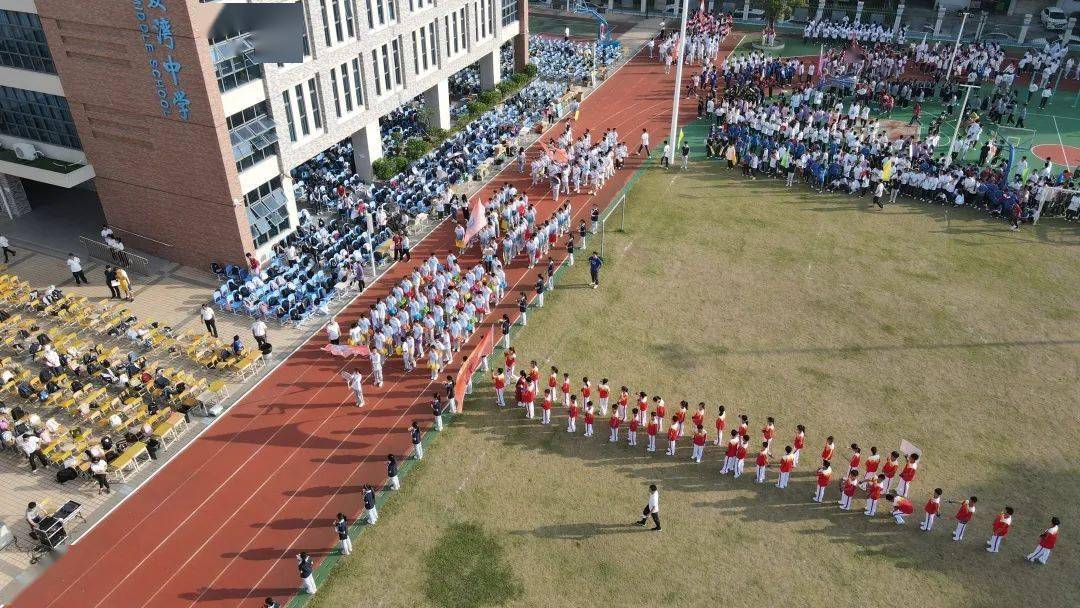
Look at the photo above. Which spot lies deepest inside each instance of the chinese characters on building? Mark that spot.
(156, 32)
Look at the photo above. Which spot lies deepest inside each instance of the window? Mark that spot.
(37, 116)
(23, 44)
(425, 49)
(381, 12)
(386, 66)
(347, 86)
(491, 15)
(418, 5)
(509, 12)
(339, 26)
(464, 28)
(267, 211)
(395, 49)
(232, 60)
(303, 112)
(252, 135)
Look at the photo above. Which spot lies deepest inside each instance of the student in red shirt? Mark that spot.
(932, 508)
(798, 444)
(1001, 526)
(907, 475)
(624, 400)
(604, 390)
(855, 460)
(740, 456)
(1047, 540)
(890, 468)
(565, 390)
(768, 430)
(590, 418)
(528, 397)
(545, 417)
(651, 430)
(698, 419)
(721, 422)
(830, 447)
(761, 461)
(872, 463)
(499, 380)
(672, 435)
(744, 425)
(586, 389)
(534, 376)
(963, 516)
(553, 380)
(614, 423)
(700, 437)
(848, 486)
(729, 453)
(632, 429)
(787, 463)
(901, 507)
(661, 411)
(824, 478)
(571, 415)
(643, 406)
(873, 494)
(680, 417)
(510, 358)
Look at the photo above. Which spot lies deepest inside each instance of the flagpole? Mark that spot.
(959, 119)
(679, 57)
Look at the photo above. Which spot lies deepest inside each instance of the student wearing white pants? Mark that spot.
(530, 409)
(1047, 540)
(762, 463)
(787, 463)
(1001, 526)
(901, 507)
(341, 526)
(307, 570)
(392, 472)
(417, 444)
(369, 504)
(931, 509)
(963, 516)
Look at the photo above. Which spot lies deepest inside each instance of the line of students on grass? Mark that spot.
(870, 477)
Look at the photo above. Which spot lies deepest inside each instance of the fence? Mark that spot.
(124, 259)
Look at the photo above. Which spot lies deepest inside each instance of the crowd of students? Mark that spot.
(869, 476)
(564, 59)
(846, 30)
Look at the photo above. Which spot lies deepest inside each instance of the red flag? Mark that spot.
(477, 219)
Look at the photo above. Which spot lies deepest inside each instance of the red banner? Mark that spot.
(472, 362)
(477, 219)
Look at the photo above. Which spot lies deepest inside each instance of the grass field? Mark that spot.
(873, 326)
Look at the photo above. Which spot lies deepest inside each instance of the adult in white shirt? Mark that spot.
(74, 264)
(99, 469)
(652, 509)
(207, 314)
(258, 331)
(31, 446)
(333, 332)
(6, 246)
(355, 382)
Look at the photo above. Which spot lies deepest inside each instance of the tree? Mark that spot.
(778, 10)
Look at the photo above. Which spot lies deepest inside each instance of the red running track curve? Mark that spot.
(221, 523)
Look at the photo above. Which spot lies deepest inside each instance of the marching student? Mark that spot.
(721, 422)
(528, 397)
(830, 447)
(586, 389)
(504, 326)
(798, 443)
(873, 494)
(356, 383)
(523, 308)
(729, 453)
(643, 407)
(571, 415)
(762, 462)
(632, 429)
(624, 400)
(590, 418)
(661, 411)
(417, 444)
(890, 468)
(680, 416)
(545, 416)
(437, 411)
(855, 460)
(602, 392)
(787, 463)
(931, 508)
(872, 463)
(769, 430)
(963, 517)
(901, 507)
(565, 388)
(824, 478)
(672, 434)
(499, 380)
(700, 437)
(341, 526)
(744, 425)
(1047, 540)
(369, 504)
(1001, 526)
(907, 475)
(392, 472)
(534, 377)
(848, 486)
(306, 568)
(376, 359)
(651, 431)
(740, 456)
(698, 419)
(614, 423)
(510, 358)
(553, 380)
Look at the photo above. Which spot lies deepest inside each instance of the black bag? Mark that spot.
(266, 348)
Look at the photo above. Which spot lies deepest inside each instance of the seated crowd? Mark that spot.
(561, 59)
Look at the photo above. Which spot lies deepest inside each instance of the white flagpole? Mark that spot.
(680, 56)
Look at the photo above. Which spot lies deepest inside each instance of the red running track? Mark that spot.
(221, 523)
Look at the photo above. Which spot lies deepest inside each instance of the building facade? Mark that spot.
(188, 141)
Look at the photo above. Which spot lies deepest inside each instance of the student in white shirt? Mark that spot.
(99, 468)
(6, 247)
(258, 331)
(652, 509)
(207, 315)
(74, 264)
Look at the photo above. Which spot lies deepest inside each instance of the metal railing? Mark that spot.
(124, 259)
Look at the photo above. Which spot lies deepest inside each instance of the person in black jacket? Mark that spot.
(369, 504)
(307, 570)
(392, 472)
(417, 441)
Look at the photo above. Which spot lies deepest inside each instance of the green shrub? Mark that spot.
(519, 79)
(384, 168)
(529, 70)
(488, 97)
(415, 148)
(476, 108)
(506, 87)
(437, 136)
(400, 164)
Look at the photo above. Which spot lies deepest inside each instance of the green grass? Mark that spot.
(48, 164)
(874, 326)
